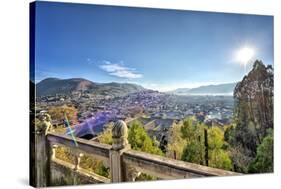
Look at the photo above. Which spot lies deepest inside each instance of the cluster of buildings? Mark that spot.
(157, 111)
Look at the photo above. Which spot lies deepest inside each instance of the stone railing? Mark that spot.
(125, 164)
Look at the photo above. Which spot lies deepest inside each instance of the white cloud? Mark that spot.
(119, 70)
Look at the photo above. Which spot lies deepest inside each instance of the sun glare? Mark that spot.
(244, 55)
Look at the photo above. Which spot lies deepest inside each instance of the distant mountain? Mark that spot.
(53, 86)
(117, 88)
(220, 89)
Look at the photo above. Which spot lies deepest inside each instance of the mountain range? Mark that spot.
(220, 89)
(53, 86)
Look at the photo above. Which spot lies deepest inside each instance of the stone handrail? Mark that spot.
(125, 164)
(98, 150)
(167, 168)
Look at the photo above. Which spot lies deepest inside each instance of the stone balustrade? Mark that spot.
(125, 164)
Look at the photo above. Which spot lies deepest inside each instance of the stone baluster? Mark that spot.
(131, 173)
(78, 157)
(119, 146)
(54, 148)
(75, 174)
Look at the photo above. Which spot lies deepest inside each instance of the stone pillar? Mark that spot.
(119, 146)
(43, 152)
(41, 159)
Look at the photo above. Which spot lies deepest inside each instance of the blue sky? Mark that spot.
(159, 49)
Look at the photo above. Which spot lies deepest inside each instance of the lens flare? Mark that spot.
(94, 124)
(244, 55)
(70, 131)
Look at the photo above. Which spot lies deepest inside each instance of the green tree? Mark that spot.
(263, 163)
(192, 133)
(176, 142)
(106, 136)
(215, 138)
(139, 140)
(229, 134)
(194, 151)
(218, 157)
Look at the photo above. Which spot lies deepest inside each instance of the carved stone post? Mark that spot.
(119, 145)
(43, 152)
(41, 159)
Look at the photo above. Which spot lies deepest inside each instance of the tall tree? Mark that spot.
(176, 143)
(193, 133)
(139, 140)
(253, 116)
(263, 163)
(218, 156)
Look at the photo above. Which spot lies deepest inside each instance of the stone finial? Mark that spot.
(45, 124)
(119, 135)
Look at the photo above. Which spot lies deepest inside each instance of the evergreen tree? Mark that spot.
(176, 143)
(263, 163)
(218, 157)
(194, 150)
(139, 140)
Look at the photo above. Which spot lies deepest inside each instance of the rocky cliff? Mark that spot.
(254, 97)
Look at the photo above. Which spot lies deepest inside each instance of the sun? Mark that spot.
(244, 55)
